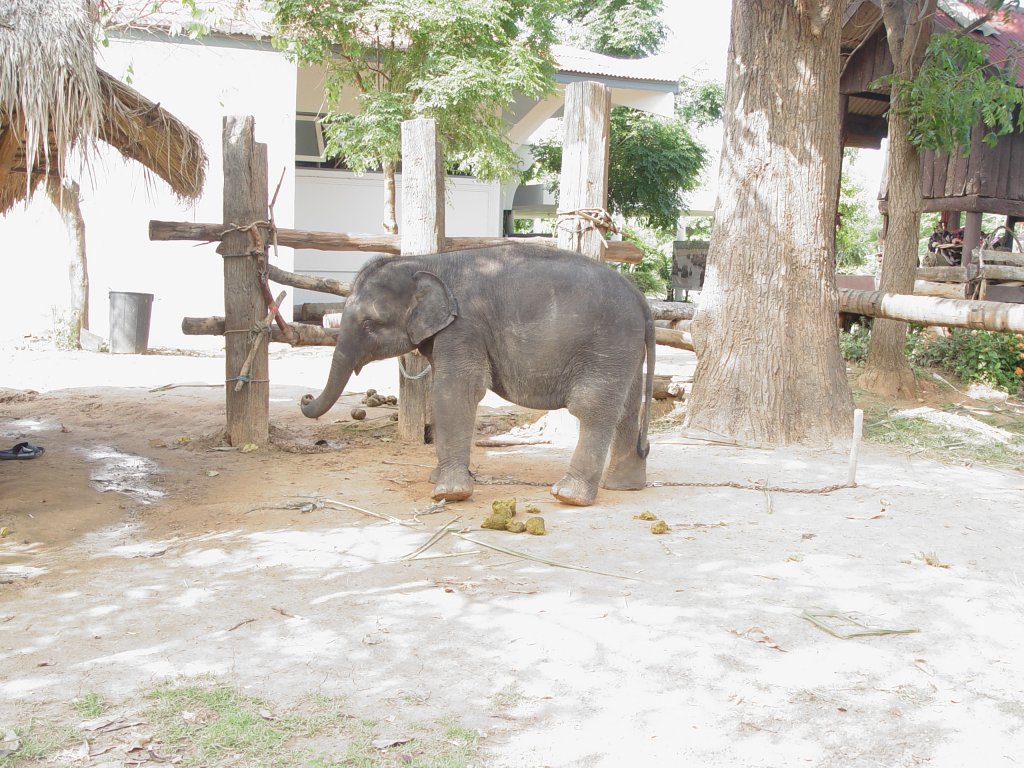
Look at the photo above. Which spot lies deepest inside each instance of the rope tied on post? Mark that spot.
(252, 229)
(258, 331)
(581, 220)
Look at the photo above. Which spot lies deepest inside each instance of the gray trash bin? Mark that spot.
(129, 322)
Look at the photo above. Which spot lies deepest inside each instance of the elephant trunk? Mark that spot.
(341, 370)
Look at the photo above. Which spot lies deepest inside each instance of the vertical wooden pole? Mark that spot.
(972, 234)
(422, 231)
(245, 202)
(584, 178)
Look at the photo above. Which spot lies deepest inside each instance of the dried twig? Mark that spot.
(439, 534)
(380, 515)
(845, 618)
(544, 560)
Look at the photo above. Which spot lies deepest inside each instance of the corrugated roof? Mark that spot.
(227, 17)
(655, 69)
(1005, 39)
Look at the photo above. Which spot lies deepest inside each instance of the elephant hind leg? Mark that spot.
(627, 470)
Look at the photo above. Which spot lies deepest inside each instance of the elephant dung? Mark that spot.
(660, 527)
(358, 414)
(506, 507)
(535, 525)
(649, 516)
(515, 526)
(502, 511)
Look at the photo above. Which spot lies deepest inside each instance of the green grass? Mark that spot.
(438, 745)
(205, 723)
(90, 706)
(218, 726)
(917, 436)
(39, 740)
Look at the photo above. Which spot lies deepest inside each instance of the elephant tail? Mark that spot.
(643, 446)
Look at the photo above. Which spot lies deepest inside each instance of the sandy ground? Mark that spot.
(136, 554)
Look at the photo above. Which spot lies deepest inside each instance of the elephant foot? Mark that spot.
(451, 487)
(626, 477)
(570, 490)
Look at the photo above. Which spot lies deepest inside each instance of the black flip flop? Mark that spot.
(23, 451)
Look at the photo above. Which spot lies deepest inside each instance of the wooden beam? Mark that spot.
(672, 310)
(321, 284)
(943, 290)
(617, 251)
(422, 231)
(305, 335)
(1001, 272)
(927, 310)
(671, 338)
(946, 274)
(245, 202)
(288, 238)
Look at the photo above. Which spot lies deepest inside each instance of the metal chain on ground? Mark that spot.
(486, 480)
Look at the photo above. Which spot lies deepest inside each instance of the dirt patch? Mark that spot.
(137, 553)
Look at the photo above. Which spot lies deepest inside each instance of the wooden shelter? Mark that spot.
(984, 180)
(55, 100)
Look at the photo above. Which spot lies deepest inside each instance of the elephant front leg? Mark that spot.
(454, 417)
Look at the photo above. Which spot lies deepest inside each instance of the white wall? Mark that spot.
(199, 82)
(341, 201)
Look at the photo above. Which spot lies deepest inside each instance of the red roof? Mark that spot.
(1006, 45)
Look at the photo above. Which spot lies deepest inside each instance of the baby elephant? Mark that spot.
(540, 327)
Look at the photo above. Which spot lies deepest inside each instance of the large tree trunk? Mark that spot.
(887, 372)
(768, 362)
(66, 197)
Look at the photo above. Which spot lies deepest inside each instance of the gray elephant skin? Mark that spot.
(540, 327)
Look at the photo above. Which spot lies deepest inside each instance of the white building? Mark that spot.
(235, 70)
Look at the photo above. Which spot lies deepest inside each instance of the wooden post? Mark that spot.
(584, 179)
(245, 202)
(422, 231)
(972, 237)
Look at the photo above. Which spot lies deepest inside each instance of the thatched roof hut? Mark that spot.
(54, 99)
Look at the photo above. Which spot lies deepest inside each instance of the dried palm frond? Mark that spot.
(54, 100)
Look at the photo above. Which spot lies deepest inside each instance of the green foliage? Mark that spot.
(984, 357)
(854, 345)
(699, 228)
(857, 235)
(457, 61)
(653, 162)
(954, 87)
(653, 275)
(625, 28)
(700, 104)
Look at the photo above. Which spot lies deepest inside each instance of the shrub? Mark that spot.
(984, 357)
(854, 345)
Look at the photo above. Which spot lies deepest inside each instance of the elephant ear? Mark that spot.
(433, 307)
